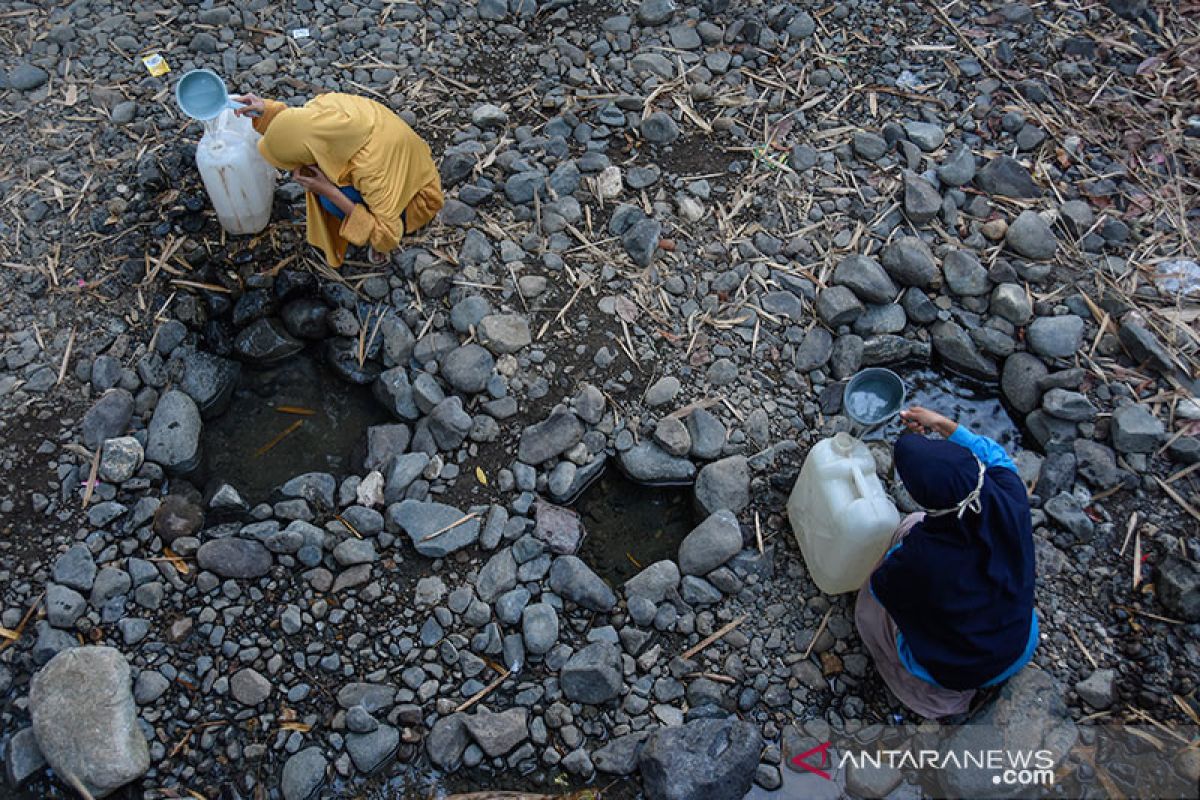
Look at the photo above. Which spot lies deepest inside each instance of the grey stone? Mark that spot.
(504, 333)
(372, 751)
(539, 627)
(26, 77)
(707, 434)
(870, 146)
(699, 592)
(1069, 405)
(86, 721)
(1007, 177)
(620, 755)
(489, 116)
(173, 438)
(265, 341)
(209, 380)
(573, 580)
(22, 758)
(1010, 302)
(838, 305)
(955, 347)
(385, 442)
(107, 418)
(1178, 588)
(592, 675)
(964, 274)
(1097, 465)
(149, 686)
(1055, 337)
(921, 199)
(724, 484)
(909, 262)
(497, 576)
(1144, 347)
(641, 241)
(662, 391)
(234, 558)
(120, 459)
(63, 605)
(1064, 509)
(1098, 689)
(1136, 430)
(1028, 715)
(75, 568)
(814, 349)
(866, 278)
(655, 582)
(659, 128)
(671, 434)
(706, 759)
(925, 135)
(421, 519)
(498, 734)
(655, 12)
(710, 544)
(249, 687)
(648, 463)
(468, 368)
(447, 740)
(550, 438)
(374, 697)
(303, 774)
(959, 168)
(1030, 236)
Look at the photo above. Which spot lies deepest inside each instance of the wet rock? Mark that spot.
(957, 349)
(303, 774)
(393, 390)
(305, 318)
(593, 674)
(173, 438)
(209, 380)
(23, 758)
(371, 751)
(504, 333)
(655, 582)
(1136, 430)
(1055, 337)
(447, 740)
(1030, 236)
(573, 580)
(266, 342)
(724, 484)
(649, 463)
(560, 528)
(710, 544)
(108, 417)
(550, 438)
(707, 759)
(909, 262)
(1007, 177)
(342, 355)
(468, 368)
(1098, 690)
(866, 278)
(385, 442)
(234, 558)
(498, 734)
(620, 755)
(422, 520)
(1028, 715)
(86, 721)
(1178, 586)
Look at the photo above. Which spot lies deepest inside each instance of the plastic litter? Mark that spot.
(156, 65)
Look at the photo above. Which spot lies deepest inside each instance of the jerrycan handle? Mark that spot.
(860, 481)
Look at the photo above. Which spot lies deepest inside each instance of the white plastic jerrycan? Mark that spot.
(842, 517)
(240, 184)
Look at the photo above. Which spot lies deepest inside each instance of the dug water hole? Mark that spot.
(630, 525)
(286, 420)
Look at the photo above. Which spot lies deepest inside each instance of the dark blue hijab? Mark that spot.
(960, 590)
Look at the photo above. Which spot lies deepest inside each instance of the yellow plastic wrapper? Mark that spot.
(156, 65)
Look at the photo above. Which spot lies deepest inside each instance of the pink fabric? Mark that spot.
(878, 633)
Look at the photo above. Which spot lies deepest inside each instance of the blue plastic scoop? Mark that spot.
(873, 396)
(201, 94)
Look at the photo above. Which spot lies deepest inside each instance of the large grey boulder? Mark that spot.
(85, 719)
(706, 759)
(1028, 715)
(303, 774)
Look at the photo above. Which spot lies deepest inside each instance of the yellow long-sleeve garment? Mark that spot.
(360, 143)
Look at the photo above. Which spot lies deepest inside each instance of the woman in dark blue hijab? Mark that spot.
(949, 609)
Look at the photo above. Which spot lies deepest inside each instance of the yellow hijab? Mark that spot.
(325, 134)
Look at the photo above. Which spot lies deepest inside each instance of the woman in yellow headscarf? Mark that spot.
(369, 176)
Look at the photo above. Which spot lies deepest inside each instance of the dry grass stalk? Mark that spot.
(712, 637)
(451, 526)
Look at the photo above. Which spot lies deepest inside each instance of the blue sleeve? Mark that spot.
(986, 450)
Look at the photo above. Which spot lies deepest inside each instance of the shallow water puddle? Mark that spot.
(631, 526)
(978, 406)
(286, 420)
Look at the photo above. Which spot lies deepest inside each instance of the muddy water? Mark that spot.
(631, 526)
(978, 406)
(267, 404)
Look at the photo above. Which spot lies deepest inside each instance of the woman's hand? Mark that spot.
(314, 180)
(252, 105)
(922, 420)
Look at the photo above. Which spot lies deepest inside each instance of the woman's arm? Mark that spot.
(262, 111)
(920, 420)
